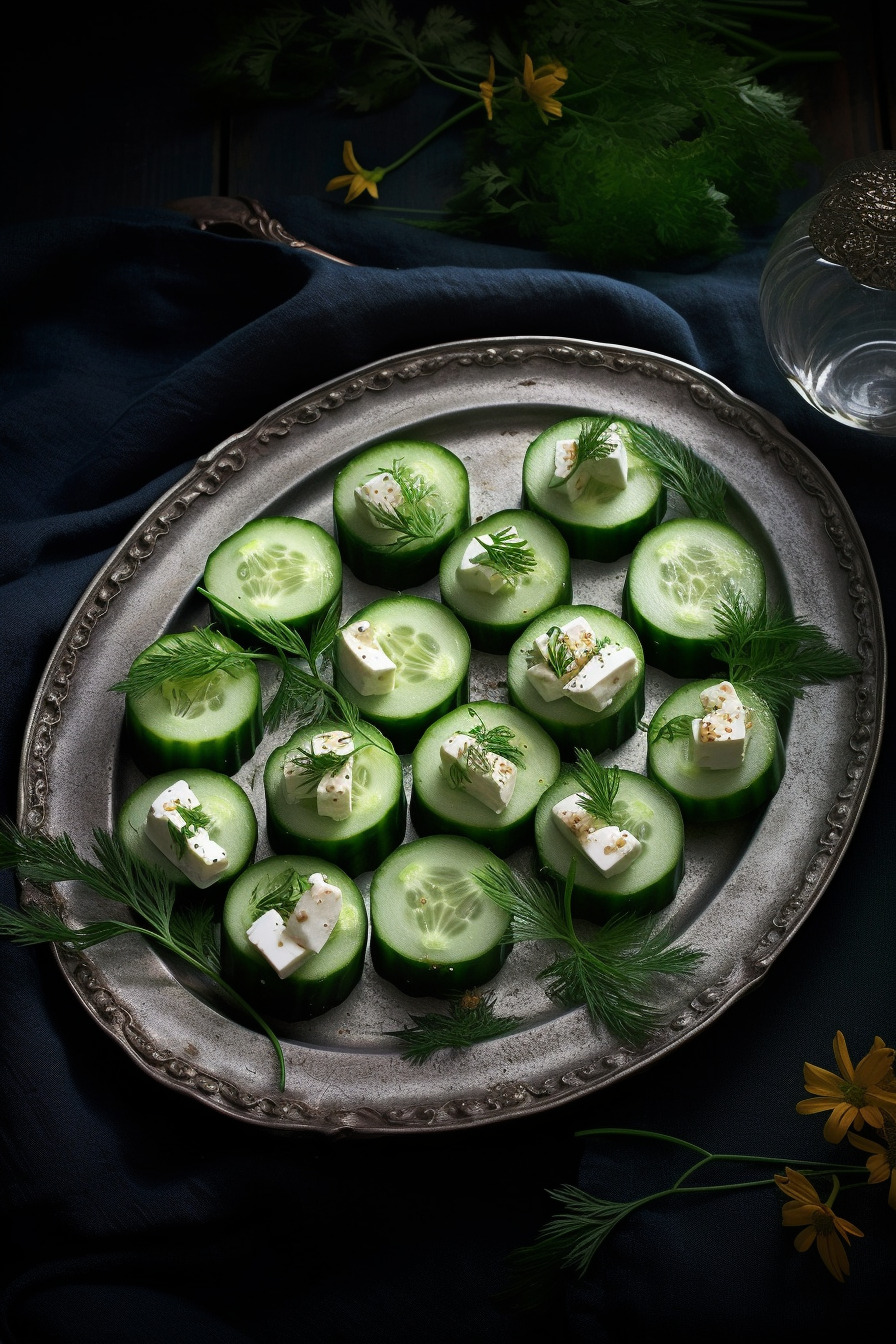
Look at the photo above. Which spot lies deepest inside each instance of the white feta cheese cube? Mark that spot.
(196, 855)
(608, 848)
(362, 662)
(334, 789)
(315, 915)
(720, 740)
(381, 491)
(269, 935)
(482, 578)
(493, 787)
(722, 696)
(610, 471)
(602, 677)
(579, 639)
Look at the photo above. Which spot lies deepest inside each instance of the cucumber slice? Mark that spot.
(432, 928)
(603, 523)
(431, 652)
(210, 723)
(378, 818)
(650, 882)
(494, 620)
(676, 576)
(716, 795)
(437, 807)
(286, 568)
(234, 826)
(325, 979)
(569, 724)
(370, 551)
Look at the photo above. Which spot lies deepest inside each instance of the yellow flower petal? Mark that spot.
(839, 1121)
(833, 1253)
(873, 1067)
(804, 1239)
(822, 1081)
(841, 1055)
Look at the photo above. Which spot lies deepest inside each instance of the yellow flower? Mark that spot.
(357, 179)
(541, 84)
(857, 1097)
(806, 1209)
(487, 88)
(882, 1162)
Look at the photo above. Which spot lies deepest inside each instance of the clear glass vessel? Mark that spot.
(827, 296)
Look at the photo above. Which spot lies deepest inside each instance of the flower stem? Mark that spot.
(445, 125)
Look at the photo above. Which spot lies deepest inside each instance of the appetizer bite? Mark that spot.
(499, 574)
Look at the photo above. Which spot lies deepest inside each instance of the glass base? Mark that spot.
(857, 388)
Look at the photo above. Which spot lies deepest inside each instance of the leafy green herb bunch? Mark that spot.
(611, 132)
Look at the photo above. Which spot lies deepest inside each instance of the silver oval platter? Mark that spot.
(746, 891)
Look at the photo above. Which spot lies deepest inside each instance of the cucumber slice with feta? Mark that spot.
(433, 930)
(288, 569)
(706, 795)
(232, 823)
(439, 802)
(650, 882)
(378, 819)
(326, 978)
(604, 522)
(569, 724)
(532, 575)
(433, 508)
(429, 651)
(676, 577)
(209, 723)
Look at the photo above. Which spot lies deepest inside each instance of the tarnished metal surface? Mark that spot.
(854, 223)
(745, 892)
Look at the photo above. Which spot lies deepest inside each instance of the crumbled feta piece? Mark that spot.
(315, 915)
(482, 578)
(579, 639)
(493, 788)
(362, 662)
(334, 789)
(611, 470)
(603, 676)
(720, 737)
(383, 492)
(198, 857)
(269, 935)
(608, 848)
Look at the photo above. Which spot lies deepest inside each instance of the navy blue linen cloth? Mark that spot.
(132, 343)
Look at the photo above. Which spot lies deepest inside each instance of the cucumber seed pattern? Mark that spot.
(268, 573)
(190, 697)
(416, 655)
(696, 577)
(441, 903)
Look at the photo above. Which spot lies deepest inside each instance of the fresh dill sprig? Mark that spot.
(470, 1019)
(194, 819)
(593, 444)
(679, 726)
(189, 656)
(510, 556)
(416, 517)
(281, 895)
(498, 740)
(775, 654)
(117, 875)
(612, 973)
(314, 765)
(700, 484)
(599, 786)
(559, 655)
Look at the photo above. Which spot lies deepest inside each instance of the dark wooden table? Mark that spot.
(104, 110)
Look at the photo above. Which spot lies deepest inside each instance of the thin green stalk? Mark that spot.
(452, 121)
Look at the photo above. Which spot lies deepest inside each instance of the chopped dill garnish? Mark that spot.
(195, 819)
(281, 895)
(559, 655)
(593, 444)
(599, 786)
(416, 517)
(498, 740)
(470, 1018)
(775, 654)
(612, 972)
(701, 485)
(509, 556)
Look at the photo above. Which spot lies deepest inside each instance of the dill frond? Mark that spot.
(470, 1019)
(509, 556)
(700, 484)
